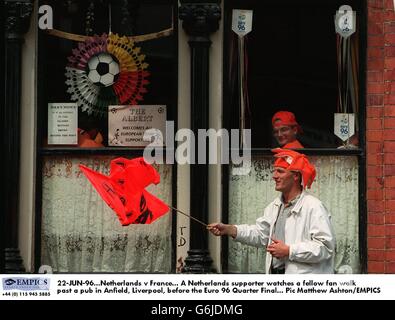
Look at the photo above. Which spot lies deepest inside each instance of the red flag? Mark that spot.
(124, 190)
(106, 189)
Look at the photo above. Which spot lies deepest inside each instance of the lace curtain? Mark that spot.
(336, 186)
(80, 233)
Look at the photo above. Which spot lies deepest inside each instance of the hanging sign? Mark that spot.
(344, 125)
(345, 21)
(242, 25)
(127, 124)
(62, 123)
(241, 22)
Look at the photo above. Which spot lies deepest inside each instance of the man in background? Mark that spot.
(286, 129)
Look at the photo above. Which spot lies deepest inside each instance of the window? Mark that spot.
(291, 61)
(100, 54)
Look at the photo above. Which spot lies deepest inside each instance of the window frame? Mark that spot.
(360, 152)
(130, 152)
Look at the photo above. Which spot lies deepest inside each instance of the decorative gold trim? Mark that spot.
(81, 38)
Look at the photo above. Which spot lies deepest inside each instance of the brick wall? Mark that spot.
(380, 136)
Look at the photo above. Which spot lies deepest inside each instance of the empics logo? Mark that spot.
(26, 284)
(9, 282)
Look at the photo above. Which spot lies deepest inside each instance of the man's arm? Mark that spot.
(322, 244)
(221, 229)
(256, 235)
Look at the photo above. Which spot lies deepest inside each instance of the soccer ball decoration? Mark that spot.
(106, 70)
(103, 69)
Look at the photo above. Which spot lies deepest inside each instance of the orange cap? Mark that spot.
(285, 118)
(295, 161)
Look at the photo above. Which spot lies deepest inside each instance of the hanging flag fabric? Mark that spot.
(104, 186)
(124, 190)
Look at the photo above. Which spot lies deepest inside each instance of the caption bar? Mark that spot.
(193, 287)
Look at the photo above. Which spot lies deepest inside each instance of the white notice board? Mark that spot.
(62, 123)
(127, 124)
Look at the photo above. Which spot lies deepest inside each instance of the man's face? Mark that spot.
(284, 179)
(285, 134)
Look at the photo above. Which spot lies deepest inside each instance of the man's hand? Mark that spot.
(278, 249)
(221, 229)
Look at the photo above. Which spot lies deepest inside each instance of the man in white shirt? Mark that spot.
(295, 228)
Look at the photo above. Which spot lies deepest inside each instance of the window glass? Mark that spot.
(291, 64)
(101, 53)
(291, 60)
(106, 69)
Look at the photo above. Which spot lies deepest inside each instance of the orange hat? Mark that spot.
(285, 118)
(295, 161)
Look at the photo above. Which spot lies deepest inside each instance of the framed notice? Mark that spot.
(62, 123)
(127, 124)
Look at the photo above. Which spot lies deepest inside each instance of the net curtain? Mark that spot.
(80, 233)
(336, 186)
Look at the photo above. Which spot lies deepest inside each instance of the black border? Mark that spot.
(363, 213)
(360, 153)
(2, 106)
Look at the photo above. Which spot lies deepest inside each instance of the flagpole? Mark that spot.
(193, 218)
